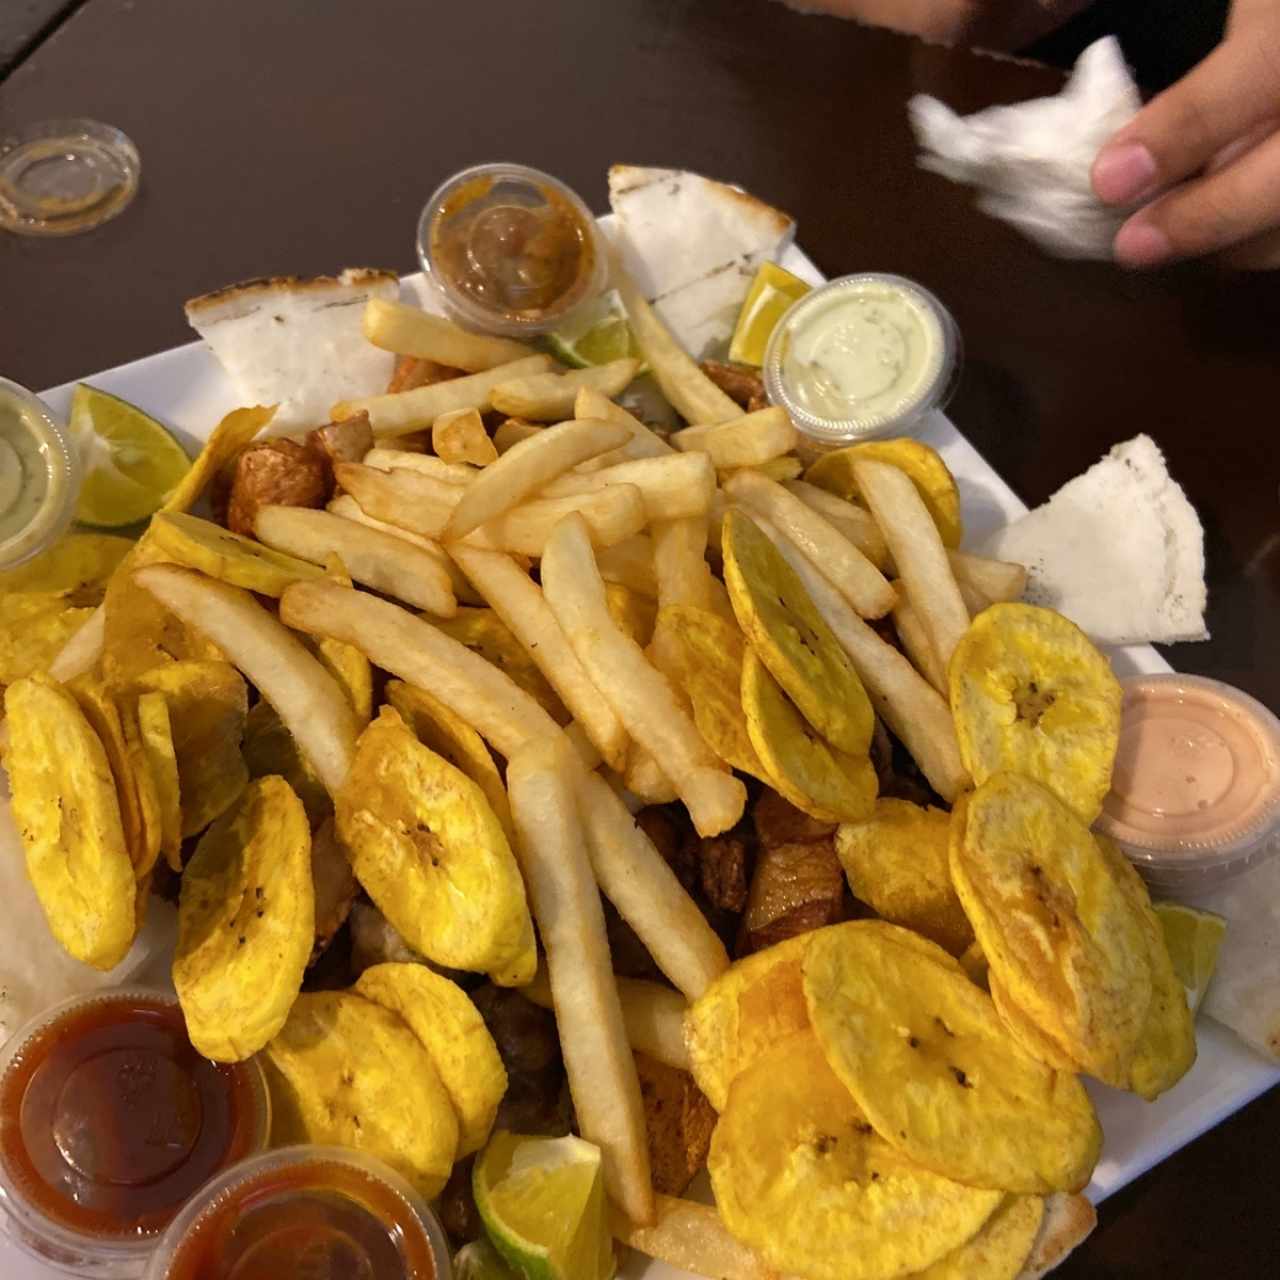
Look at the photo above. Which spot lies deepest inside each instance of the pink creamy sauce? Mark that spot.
(1198, 768)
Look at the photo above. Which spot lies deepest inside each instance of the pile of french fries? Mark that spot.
(576, 483)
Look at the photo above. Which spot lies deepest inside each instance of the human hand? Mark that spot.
(1205, 153)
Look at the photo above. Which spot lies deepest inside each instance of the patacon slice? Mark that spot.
(542, 1204)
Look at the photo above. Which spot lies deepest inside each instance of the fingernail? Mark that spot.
(1141, 244)
(1124, 172)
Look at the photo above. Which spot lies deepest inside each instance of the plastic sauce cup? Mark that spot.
(1195, 794)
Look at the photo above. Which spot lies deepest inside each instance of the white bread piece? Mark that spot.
(297, 342)
(692, 245)
(1068, 1220)
(1119, 550)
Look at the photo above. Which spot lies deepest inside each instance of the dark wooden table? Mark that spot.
(304, 135)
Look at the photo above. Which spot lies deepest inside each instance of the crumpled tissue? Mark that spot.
(1030, 162)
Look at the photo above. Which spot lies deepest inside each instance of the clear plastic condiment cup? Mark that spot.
(304, 1208)
(883, 322)
(1195, 797)
(60, 1198)
(50, 442)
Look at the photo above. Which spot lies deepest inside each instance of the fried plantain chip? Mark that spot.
(704, 653)
(834, 473)
(973, 960)
(333, 884)
(453, 1033)
(150, 814)
(229, 557)
(156, 731)
(246, 923)
(67, 811)
(351, 1073)
(799, 1174)
(34, 629)
(1031, 694)
(269, 748)
(450, 736)
(634, 613)
(483, 632)
(999, 1250)
(76, 567)
(228, 438)
(927, 1058)
(208, 702)
(1025, 1032)
(753, 1005)
(1060, 931)
(896, 862)
(430, 852)
(791, 637)
(813, 775)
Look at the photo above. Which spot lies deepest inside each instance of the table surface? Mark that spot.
(303, 137)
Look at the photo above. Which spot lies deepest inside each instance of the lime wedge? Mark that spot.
(772, 292)
(1193, 938)
(481, 1261)
(542, 1204)
(131, 462)
(596, 334)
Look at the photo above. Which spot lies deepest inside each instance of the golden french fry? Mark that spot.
(311, 703)
(529, 466)
(918, 552)
(999, 581)
(673, 487)
(425, 463)
(636, 878)
(348, 508)
(460, 436)
(855, 522)
(914, 710)
(745, 441)
(644, 442)
(374, 559)
(645, 778)
(422, 504)
(691, 1237)
(645, 702)
(783, 468)
(410, 331)
(552, 853)
(399, 412)
(680, 562)
(974, 600)
(629, 562)
(513, 431)
(549, 397)
(519, 602)
(613, 514)
(420, 654)
(694, 396)
(847, 569)
(915, 640)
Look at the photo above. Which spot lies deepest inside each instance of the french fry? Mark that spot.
(784, 468)
(456, 473)
(673, 487)
(642, 697)
(847, 569)
(410, 647)
(348, 508)
(460, 437)
(549, 397)
(917, 551)
(653, 1014)
(518, 601)
(644, 443)
(629, 562)
(312, 705)
(917, 644)
(693, 395)
(635, 877)
(513, 431)
(612, 514)
(916, 712)
(529, 466)
(680, 561)
(400, 412)
(374, 559)
(420, 503)
(691, 1237)
(744, 441)
(855, 522)
(997, 580)
(410, 331)
(551, 849)
(974, 600)
(645, 778)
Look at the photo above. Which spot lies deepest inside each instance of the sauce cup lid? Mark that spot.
(931, 322)
(54, 516)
